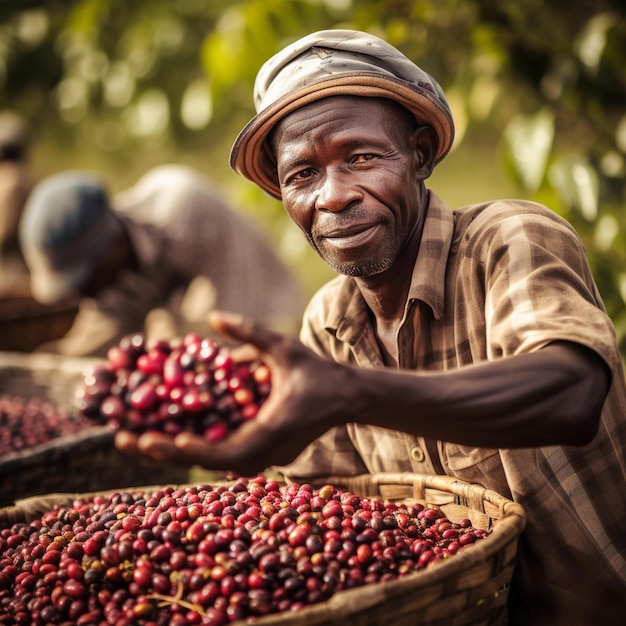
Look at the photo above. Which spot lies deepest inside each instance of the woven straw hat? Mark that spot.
(330, 63)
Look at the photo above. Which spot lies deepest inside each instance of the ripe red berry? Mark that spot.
(118, 358)
(144, 397)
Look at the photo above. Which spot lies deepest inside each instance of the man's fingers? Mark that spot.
(155, 445)
(236, 327)
(159, 446)
(229, 455)
(245, 353)
(127, 442)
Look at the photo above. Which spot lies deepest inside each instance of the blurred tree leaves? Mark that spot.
(528, 141)
(152, 80)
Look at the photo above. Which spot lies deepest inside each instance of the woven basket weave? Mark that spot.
(82, 462)
(468, 589)
(25, 324)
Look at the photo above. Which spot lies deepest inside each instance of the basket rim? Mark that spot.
(509, 508)
(97, 434)
(470, 492)
(46, 361)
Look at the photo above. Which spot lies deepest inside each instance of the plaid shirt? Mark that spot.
(194, 253)
(495, 280)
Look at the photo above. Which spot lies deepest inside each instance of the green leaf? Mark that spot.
(528, 142)
(576, 182)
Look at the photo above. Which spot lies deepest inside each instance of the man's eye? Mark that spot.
(303, 174)
(363, 158)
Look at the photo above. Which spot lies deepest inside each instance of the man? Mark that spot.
(471, 342)
(155, 258)
(16, 182)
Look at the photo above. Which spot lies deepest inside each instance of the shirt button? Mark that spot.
(417, 454)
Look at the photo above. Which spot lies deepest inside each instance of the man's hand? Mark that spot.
(305, 401)
(552, 396)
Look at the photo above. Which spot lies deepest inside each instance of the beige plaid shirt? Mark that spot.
(494, 280)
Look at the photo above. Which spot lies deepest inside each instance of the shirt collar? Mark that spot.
(348, 315)
(429, 273)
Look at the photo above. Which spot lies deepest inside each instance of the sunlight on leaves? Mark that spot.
(622, 286)
(118, 84)
(150, 115)
(528, 141)
(32, 26)
(484, 93)
(72, 99)
(577, 183)
(196, 109)
(592, 42)
(612, 164)
(620, 134)
(605, 231)
(456, 101)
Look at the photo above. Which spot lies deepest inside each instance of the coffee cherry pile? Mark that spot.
(211, 554)
(192, 384)
(29, 422)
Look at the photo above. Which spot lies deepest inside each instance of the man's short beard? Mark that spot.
(361, 270)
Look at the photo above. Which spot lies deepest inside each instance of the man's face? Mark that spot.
(348, 173)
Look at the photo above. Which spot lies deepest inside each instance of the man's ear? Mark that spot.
(425, 145)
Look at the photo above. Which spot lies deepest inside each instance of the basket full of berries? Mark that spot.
(374, 550)
(47, 445)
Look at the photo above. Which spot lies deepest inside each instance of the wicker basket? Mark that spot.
(470, 588)
(82, 462)
(25, 324)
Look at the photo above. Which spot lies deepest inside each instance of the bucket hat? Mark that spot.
(330, 63)
(66, 229)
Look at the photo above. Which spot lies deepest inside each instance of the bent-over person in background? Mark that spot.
(155, 258)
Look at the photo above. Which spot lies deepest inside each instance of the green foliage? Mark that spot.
(564, 147)
(122, 86)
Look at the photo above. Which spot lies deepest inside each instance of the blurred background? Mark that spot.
(537, 88)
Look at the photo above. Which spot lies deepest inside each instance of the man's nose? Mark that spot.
(337, 191)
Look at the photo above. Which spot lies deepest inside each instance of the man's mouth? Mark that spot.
(352, 237)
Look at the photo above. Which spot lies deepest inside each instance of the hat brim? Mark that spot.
(250, 155)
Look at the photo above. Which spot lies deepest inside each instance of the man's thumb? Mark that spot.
(236, 327)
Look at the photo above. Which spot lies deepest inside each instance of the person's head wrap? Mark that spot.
(330, 63)
(66, 229)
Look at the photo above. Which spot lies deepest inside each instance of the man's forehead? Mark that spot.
(341, 109)
(338, 114)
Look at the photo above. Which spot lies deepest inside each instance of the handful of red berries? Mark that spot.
(191, 384)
